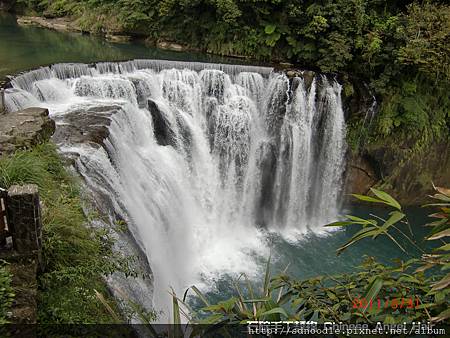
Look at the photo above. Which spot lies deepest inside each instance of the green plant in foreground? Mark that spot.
(439, 288)
(396, 293)
(370, 227)
(6, 292)
(76, 257)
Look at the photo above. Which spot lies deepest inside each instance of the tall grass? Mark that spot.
(75, 256)
(6, 292)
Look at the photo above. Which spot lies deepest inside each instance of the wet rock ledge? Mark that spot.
(24, 129)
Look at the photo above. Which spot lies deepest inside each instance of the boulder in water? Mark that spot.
(167, 45)
(118, 38)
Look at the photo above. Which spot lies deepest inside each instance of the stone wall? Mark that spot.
(24, 226)
(24, 217)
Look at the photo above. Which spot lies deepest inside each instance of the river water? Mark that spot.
(27, 47)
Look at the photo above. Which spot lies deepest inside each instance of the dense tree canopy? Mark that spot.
(368, 37)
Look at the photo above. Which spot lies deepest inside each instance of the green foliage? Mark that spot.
(357, 33)
(371, 227)
(6, 292)
(76, 257)
(354, 297)
(396, 293)
(250, 303)
(439, 288)
(31, 167)
(374, 293)
(440, 256)
(414, 107)
(427, 37)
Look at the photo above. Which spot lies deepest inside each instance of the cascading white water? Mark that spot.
(201, 160)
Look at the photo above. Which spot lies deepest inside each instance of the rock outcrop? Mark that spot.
(167, 45)
(85, 126)
(163, 132)
(361, 175)
(58, 24)
(24, 129)
(119, 38)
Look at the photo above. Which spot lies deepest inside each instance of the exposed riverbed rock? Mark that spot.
(361, 175)
(119, 38)
(291, 73)
(85, 125)
(307, 75)
(59, 24)
(24, 129)
(162, 44)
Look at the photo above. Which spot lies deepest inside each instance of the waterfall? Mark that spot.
(202, 161)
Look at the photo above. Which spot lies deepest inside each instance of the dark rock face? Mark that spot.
(276, 109)
(161, 127)
(405, 173)
(143, 91)
(267, 162)
(361, 175)
(24, 129)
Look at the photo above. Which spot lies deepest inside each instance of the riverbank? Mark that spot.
(68, 24)
(70, 285)
(58, 24)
